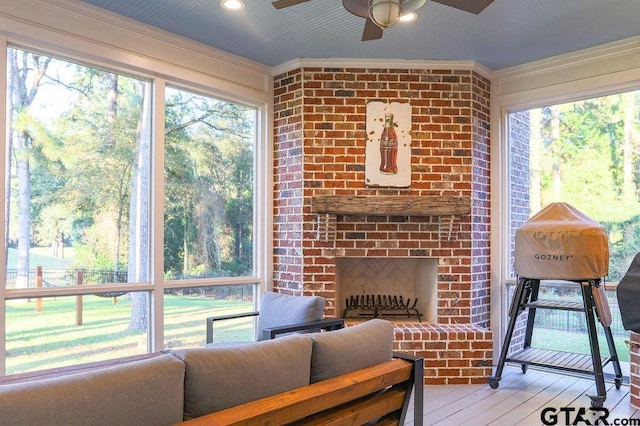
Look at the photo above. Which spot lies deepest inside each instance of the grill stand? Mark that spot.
(526, 296)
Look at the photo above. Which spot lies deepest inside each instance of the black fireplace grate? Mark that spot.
(380, 306)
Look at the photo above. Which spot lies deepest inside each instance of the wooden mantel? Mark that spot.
(392, 205)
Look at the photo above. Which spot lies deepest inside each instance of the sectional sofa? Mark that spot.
(169, 388)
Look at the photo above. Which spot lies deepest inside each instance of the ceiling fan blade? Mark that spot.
(281, 4)
(473, 6)
(371, 31)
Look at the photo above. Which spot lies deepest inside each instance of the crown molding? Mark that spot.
(382, 63)
(594, 70)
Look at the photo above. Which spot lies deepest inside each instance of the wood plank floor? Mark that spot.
(520, 399)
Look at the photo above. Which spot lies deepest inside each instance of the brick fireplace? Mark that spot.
(324, 212)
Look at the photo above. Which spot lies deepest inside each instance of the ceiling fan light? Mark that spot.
(408, 17)
(232, 4)
(385, 13)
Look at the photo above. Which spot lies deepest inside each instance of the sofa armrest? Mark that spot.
(313, 326)
(370, 395)
(211, 320)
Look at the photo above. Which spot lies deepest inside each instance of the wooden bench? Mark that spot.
(375, 395)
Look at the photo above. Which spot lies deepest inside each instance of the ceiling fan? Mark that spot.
(381, 14)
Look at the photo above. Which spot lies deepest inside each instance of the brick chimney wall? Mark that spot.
(319, 136)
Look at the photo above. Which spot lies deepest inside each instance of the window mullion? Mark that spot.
(157, 216)
(3, 247)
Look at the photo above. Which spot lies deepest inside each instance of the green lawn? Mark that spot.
(52, 338)
(41, 256)
(576, 342)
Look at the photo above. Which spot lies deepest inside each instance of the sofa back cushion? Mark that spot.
(350, 349)
(221, 377)
(142, 392)
(277, 309)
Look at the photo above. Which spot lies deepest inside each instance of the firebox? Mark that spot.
(403, 289)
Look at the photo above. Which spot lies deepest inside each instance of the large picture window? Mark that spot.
(81, 160)
(585, 153)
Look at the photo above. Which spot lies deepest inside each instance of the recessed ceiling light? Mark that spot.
(232, 4)
(409, 17)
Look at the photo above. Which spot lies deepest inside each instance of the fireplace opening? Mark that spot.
(378, 306)
(399, 289)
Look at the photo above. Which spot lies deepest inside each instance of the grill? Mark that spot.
(629, 296)
(561, 243)
(370, 305)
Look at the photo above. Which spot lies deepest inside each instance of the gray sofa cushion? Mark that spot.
(144, 392)
(350, 349)
(278, 309)
(221, 377)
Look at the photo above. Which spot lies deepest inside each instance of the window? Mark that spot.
(208, 219)
(585, 153)
(208, 187)
(81, 176)
(78, 198)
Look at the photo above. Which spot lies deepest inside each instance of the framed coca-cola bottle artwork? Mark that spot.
(388, 150)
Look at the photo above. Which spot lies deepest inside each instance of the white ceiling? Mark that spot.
(507, 33)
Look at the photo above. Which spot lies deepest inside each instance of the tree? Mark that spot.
(26, 71)
(208, 187)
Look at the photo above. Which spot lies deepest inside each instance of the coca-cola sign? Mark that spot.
(388, 149)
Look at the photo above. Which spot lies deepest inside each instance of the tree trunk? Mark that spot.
(112, 107)
(139, 217)
(25, 68)
(24, 206)
(112, 113)
(629, 191)
(555, 141)
(535, 160)
(8, 164)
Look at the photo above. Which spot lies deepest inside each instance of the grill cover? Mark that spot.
(629, 296)
(560, 242)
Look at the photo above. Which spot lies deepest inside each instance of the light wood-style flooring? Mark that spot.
(520, 400)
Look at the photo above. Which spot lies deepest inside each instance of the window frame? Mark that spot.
(185, 76)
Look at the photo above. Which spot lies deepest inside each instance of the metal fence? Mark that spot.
(66, 277)
(570, 321)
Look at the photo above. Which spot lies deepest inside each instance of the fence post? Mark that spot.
(39, 285)
(79, 278)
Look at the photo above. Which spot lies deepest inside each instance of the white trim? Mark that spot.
(381, 63)
(500, 217)
(263, 187)
(156, 198)
(3, 252)
(74, 290)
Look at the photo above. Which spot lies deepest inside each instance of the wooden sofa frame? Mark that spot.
(375, 395)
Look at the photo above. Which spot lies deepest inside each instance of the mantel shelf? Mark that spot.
(393, 205)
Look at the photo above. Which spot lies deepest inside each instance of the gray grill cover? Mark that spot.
(629, 296)
(560, 242)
